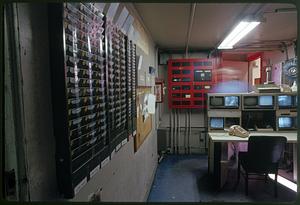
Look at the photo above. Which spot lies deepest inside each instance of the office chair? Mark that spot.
(262, 158)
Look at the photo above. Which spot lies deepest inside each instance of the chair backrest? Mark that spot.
(266, 150)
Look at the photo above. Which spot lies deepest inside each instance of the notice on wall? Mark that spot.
(151, 103)
(144, 118)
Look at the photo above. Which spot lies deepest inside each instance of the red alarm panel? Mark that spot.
(189, 80)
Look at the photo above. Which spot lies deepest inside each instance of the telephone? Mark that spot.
(237, 130)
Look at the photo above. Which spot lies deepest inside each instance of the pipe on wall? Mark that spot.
(176, 130)
(170, 131)
(191, 21)
(284, 46)
(185, 131)
(190, 128)
(178, 135)
(174, 114)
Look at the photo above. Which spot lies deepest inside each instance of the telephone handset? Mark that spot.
(237, 130)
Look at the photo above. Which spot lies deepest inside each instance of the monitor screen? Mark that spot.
(285, 122)
(217, 122)
(284, 100)
(266, 100)
(231, 101)
(216, 101)
(250, 100)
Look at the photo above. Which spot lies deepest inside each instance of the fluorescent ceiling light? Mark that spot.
(241, 30)
(284, 182)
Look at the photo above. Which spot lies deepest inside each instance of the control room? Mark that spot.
(150, 102)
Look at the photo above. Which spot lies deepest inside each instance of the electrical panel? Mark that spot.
(189, 82)
(91, 91)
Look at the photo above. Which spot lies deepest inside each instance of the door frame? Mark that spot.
(253, 57)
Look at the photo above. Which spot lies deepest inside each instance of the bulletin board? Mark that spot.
(144, 119)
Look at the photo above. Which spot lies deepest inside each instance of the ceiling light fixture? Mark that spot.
(241, 30)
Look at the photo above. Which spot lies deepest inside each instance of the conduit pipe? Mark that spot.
(191, 21)
(170, 131)
(185, 131)
(190, 128)
(178, 131)
(174, 130)
(174, 138)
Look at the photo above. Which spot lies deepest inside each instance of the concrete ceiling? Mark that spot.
(168, 23)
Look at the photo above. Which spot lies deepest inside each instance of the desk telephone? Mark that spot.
(237, 130)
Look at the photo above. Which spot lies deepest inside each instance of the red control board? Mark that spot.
(189, 81)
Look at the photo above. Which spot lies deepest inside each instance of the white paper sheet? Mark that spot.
(151, 103)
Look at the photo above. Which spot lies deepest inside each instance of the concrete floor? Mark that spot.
(184, 178)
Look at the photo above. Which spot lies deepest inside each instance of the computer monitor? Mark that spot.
(285, 122)
(265, 100)
(284, 101)
(250, 100)
(216, 101)
(231, 101)
(216, 123)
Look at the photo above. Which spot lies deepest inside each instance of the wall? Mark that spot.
(127, 177)
(234, 70)
(276, 58)
(40, 144)
(9, 122)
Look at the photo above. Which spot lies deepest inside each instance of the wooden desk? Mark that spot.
(216, 139)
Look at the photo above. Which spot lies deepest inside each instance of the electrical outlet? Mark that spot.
(91, 197)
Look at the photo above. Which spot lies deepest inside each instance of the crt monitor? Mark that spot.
(285, 122)
(216, 100)
(284, 100)
(250, 100)
(231, 101)
(217, 122)
(265, 100)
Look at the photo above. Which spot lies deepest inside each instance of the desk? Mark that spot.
(215, 150)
